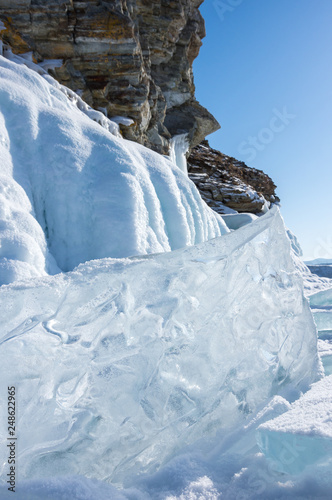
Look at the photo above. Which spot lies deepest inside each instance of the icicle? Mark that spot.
(179, 148)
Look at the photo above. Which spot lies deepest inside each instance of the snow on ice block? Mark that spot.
(303, 435)
(122, 362)
(86, 192)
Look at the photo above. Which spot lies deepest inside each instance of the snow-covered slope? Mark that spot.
(69, 184)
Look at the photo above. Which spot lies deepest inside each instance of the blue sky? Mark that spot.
(265, 73)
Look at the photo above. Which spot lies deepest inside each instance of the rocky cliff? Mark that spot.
(226, 183)
(131, 58)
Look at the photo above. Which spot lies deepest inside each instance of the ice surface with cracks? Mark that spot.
(228, 467)
(132, 359)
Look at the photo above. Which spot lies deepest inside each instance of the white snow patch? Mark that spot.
(48, 64)
(122, 120)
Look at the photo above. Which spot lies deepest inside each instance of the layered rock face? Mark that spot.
(226, 183)
(131, 58)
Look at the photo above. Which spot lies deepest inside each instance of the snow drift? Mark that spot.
(69, 185)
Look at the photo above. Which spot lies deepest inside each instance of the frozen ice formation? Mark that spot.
(71, 189)
(322, 299)
(179, 148)
(301, 436)
(235, 221)
(321, 305)
(132, 359)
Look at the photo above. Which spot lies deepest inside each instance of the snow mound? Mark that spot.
(132, 359)
(303, 435)
(79, 191)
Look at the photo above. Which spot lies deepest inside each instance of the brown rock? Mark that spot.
(224, 181)
(132, 58)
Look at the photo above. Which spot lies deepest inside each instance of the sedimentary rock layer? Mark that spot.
(132, 58)
(224, 181)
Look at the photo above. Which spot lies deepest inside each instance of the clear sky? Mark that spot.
(265, 73)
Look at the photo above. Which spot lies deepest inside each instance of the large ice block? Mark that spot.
(122, 362)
